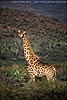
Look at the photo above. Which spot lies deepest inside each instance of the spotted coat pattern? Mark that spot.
(36, 67)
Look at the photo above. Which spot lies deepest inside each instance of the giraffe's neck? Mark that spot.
(28, 52)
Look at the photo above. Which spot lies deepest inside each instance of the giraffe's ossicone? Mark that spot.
(36, 67)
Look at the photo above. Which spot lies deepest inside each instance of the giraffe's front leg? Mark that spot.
(32, 77)
(31, 73)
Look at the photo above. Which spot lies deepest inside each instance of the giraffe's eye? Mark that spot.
(21, 31)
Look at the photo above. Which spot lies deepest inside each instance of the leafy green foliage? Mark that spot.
(16, 74)
(33, 25)
(48, 40)
(16, 84)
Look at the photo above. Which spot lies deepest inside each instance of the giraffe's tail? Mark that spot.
(54, 73)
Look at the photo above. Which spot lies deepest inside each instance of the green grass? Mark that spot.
(15, 84)
(46, 39)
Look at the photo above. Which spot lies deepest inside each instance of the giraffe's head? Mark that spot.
(21, 32)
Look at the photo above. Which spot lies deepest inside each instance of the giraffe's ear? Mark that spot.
(24, 32)
(18, 31)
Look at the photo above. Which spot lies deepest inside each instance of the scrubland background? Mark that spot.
(48, 37)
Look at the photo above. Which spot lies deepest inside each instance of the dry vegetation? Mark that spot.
(49, 41)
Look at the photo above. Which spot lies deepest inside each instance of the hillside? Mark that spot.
(48, 39)
(54, 10)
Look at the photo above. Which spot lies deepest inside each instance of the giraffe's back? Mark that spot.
(40, 69)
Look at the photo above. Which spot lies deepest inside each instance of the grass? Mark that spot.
(47, 37)
(15, 84)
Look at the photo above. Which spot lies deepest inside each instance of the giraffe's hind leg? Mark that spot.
(51, 73)
(54, 75)
(50, 77)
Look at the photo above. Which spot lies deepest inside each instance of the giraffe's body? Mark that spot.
(36, 67)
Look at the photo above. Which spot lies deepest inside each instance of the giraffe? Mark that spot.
(36, 66)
